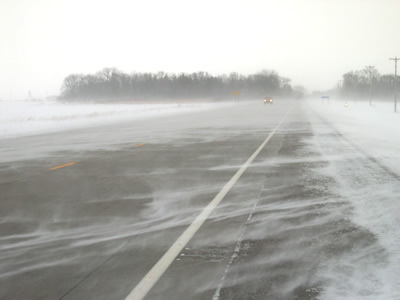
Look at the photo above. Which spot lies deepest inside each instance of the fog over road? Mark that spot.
(85, 214)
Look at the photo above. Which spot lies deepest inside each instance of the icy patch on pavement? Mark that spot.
(22, 118)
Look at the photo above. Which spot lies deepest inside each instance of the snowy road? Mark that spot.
(85, 214)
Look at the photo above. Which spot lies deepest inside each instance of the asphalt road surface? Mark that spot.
(86, 214)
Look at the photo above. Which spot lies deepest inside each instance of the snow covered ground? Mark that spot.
(357, 147)
(376, 128)
(21, 118)
(362, 145)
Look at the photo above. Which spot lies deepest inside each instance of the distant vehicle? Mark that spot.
(268, 100)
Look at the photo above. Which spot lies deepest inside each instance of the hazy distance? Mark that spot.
(312, 42)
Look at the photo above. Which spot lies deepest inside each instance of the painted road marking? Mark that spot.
(62, 166)
(140, 145)
(148, 281)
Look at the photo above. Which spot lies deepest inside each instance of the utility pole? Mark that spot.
(370, 68)
(395, 81)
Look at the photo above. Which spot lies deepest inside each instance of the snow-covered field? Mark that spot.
(376, 128)
(362, 145)
(21, 118)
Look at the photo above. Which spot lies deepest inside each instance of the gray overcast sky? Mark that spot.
(313, 42)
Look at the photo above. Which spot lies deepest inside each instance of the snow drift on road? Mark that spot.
(21, 118)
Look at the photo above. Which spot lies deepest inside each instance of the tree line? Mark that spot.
(359, 84)
(112, 84)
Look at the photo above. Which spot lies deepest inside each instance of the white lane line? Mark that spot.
(148, 281)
